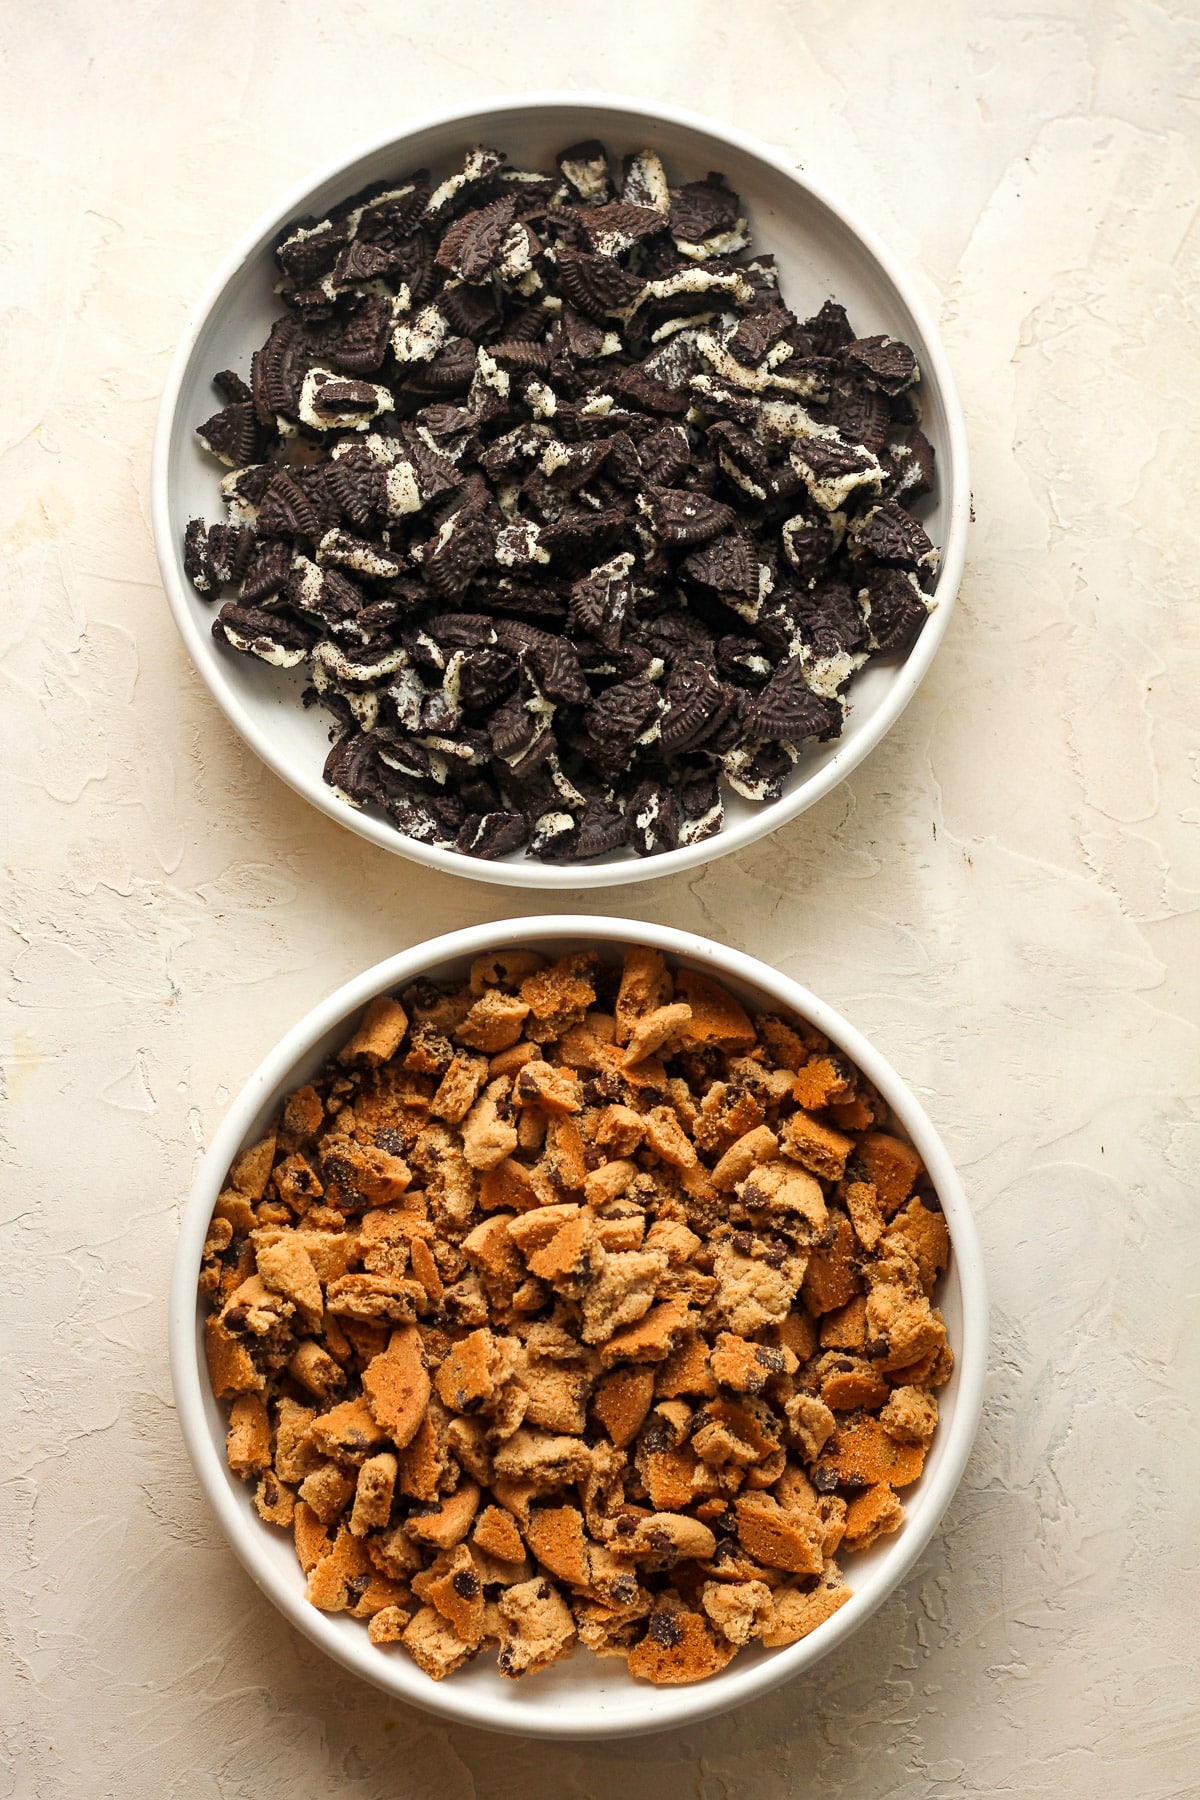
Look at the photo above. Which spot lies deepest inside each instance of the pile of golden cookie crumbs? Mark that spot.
(571, 1302)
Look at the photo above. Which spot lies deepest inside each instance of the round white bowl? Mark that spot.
(584, 1696)
(822, 249)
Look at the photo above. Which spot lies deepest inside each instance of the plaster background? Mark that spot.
(1003, 896)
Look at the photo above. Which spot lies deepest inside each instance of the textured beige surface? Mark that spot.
(1003, 895)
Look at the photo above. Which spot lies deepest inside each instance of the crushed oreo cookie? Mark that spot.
(572, 523)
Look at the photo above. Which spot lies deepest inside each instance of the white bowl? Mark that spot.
(584, 1696)
(822, 249)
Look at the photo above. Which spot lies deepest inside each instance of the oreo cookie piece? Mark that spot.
(491, 834)
(272, 637)
(652, 817)
(895, 610)
(601, 602)
(701, 808)
(311, 248)
(277, 374)
(214, 555)
(585, 168)
(829, 608)
(464, 187)
(196, 565)
(618, 226)
(229, 550)
(758, 333)
(599, 829)
(389, 217)
(485, 677)
(788, 710)
(472, 244)
(359, 489)
(909, 460)
(232, 435)
(891, 535)
(617, 719)
(835, 471)
(665, 455)
(885, 362)
(809, 545)
(679, 517)
(702, 210)
(743, 660)
(453, 557)
(828, 330)
(861, 413)
(597, 285)
(230, 386)
(758, 772)
(695, 703)
(726, 565)
(351, 767)
(268, 572)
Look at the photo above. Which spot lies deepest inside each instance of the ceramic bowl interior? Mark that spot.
(582, 1696)
(821, 249)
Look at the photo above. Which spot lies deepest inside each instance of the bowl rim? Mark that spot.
(529, 873)
(397, 1676)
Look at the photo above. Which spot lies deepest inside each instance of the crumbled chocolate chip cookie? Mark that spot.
(573, 1303)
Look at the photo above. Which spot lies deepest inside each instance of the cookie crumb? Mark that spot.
(619, 1343)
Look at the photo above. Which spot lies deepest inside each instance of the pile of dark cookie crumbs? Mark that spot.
(568, 517)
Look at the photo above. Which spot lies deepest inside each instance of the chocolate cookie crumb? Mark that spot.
(575, 527)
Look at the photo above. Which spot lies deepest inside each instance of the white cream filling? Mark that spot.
(555, 456)
(307, 591)
(735, 763)
(489, 374)
(739, 476)
(241, 511)
(589, 178)
(563, 786)
(407, 694)
(552, 825)
(332, 662)
(541, 399)
(649, 814)
(692, 830)
(516, 254)
(722, 243)
(478, 163)
(312, 415)
(686, 322)
(694, 281)
(280, 656)
(646, 182)
(403, 490)
(344, 552)
(753, 380)
(421, 340)
(517, 545)
(380, 449)
(826, 674)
